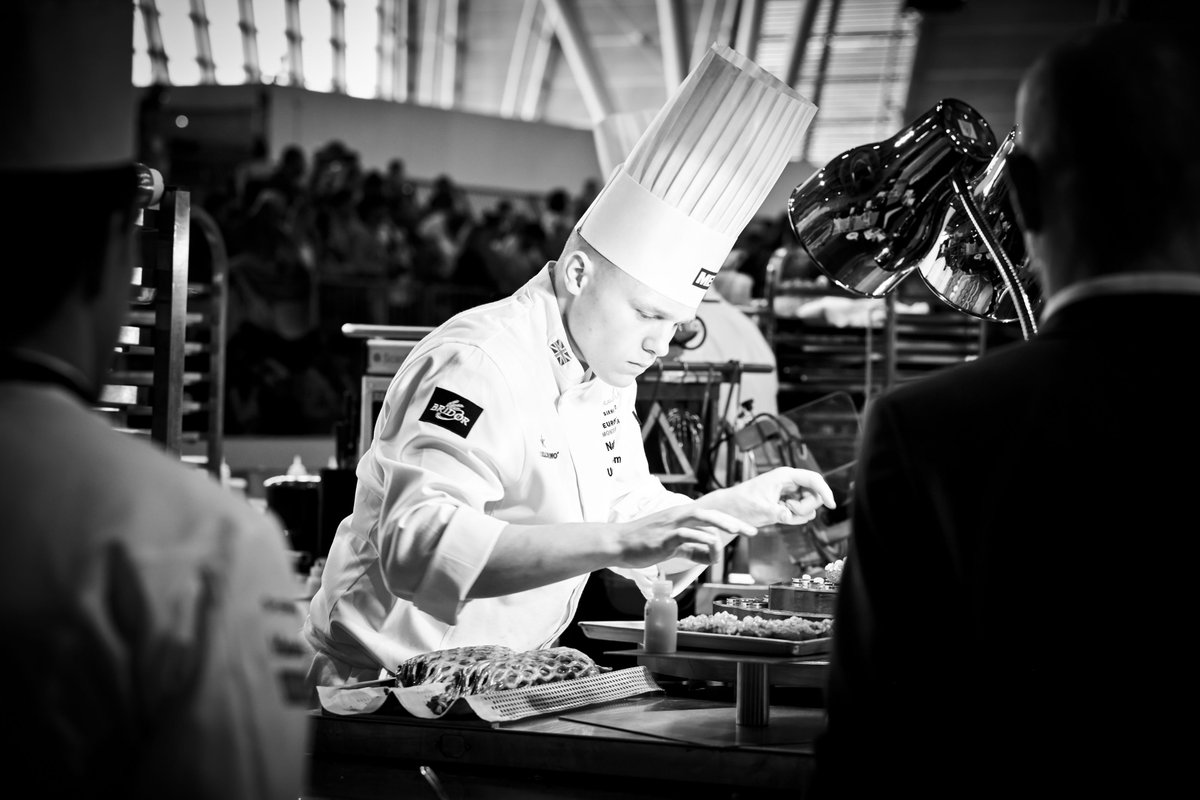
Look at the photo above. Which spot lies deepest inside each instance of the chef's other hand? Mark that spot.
(686, 531)
(783, 496)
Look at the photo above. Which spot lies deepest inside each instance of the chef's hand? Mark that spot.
(684, 531)
(783, 496)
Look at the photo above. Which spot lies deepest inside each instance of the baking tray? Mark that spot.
(623, 630)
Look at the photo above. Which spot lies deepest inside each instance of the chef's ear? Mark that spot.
(577, 272)
(1024, 177)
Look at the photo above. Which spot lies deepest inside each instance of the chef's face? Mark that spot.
(618, 325)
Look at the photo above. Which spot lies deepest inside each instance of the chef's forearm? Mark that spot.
(528, 556)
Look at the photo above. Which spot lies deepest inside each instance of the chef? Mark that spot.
(151, 639)
(507, 463)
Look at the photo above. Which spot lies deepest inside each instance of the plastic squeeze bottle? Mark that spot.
(661, 620)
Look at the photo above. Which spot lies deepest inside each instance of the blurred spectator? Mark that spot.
(274, 381)
(753, 250)
(587, 193)
(401, 194)
(558, 218)
(270, 284)
(517, 244)
(320, 242)
(252, 175)
(290, 175)
(394, 242)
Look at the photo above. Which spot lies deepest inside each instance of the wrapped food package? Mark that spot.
(480, 669)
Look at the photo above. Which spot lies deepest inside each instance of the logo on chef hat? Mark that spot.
(671, 212)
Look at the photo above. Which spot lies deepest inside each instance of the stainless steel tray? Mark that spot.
(631, 631)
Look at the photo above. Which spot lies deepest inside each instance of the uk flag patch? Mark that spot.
(560, 351)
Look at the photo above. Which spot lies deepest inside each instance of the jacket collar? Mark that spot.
(564, 363)
(32, 366)
(1169, 283)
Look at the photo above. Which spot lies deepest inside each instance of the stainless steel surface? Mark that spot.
(691, 742)
(980, 250)
(803, 597)
(872, 214)
(753, 694)
(631, 631)
(1008, 271)
(709, 593)
(703, 723)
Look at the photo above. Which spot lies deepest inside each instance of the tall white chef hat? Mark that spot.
(67, 88)
(671, 213)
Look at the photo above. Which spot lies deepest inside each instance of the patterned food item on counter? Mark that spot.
(797, 629)
(488, 668)
(833, 570)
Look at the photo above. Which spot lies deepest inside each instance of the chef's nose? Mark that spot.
(659, 342)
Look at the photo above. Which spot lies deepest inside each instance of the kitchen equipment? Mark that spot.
(810, 597)
(632, 631)
(296, 500)
(933, 197)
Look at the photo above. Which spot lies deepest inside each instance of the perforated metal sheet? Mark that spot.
(550, 698)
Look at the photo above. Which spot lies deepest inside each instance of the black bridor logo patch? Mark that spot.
(704, 279)
(451, 411)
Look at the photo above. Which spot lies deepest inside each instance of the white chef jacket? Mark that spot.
(148, 616)
(490, 420)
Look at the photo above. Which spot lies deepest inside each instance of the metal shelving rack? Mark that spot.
(815, 359)
(166, 382)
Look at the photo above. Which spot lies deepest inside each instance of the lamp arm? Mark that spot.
(1008, 272)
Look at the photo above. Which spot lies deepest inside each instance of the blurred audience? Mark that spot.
(318, 240)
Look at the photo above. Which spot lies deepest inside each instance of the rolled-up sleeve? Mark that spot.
(447, 443)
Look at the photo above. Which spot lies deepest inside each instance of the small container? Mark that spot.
(661, 620)
(804, 595)
(313, 583)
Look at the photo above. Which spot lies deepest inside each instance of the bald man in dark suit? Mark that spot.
(1017, 611)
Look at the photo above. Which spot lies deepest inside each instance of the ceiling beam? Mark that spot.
(430, 44)
(749, 27)
(540, 67)
(402, 60)
(337, 42)
(799, 43)
(835, 7)
(385, 46)
(295, 53)
(451, 51)
(159, 73)
(518, 56)
(706, 27)
(249, 41)
(564, 16)
(728, 24)
(204, 56)
(671, 25)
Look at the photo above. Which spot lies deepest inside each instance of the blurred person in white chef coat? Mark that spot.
(151, 644)
(507, 460)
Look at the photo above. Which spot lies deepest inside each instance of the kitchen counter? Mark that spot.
(681, 742)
